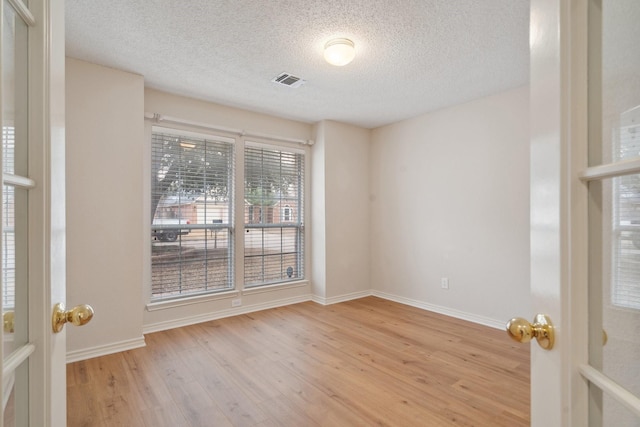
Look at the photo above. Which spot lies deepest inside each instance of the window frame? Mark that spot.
(206, 227)
(624, 227)
(299, 225)
(240, 139)
(287, 213)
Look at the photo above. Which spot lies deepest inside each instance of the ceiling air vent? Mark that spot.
(290, 80)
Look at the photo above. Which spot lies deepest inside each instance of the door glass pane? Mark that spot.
(14, 200)
(10, 409)
(621, 293)
(13, 274)
(618, 415)
(615, 208)
(14, 93)
(16, 412)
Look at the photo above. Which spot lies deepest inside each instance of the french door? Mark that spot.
(585, 210)
(32, 218)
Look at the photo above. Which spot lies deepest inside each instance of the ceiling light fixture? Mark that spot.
(339, 52)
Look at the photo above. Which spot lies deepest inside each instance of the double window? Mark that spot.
(193, 227)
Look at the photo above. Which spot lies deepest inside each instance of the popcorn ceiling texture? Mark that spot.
(412, 56)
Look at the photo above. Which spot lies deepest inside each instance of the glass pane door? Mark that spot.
(614, 313)
(13, 274)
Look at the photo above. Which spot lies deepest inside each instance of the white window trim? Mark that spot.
(188, 133)
(253, 290)
(287, 213)
(224, 134)
(305, 202)
(271, 146)
(191, 299)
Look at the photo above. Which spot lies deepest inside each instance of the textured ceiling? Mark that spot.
(412, 56)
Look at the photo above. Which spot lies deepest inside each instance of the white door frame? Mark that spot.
(565, 216)
(48, 366)
(558, 42)
(46, 217)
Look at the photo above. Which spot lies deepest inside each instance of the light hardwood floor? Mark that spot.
(368, 362)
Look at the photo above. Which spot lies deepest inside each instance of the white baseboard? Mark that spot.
(482, 320)
(186, 321)
(192, 320)
(341, 298)
(103, 350)
(74, 356)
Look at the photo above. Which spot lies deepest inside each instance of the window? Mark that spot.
(192, 213)
(625, 289)
(273, 245)
(8, 218)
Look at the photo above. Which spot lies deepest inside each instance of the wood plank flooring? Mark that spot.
(367, 362)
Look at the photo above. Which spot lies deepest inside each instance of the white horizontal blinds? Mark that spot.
(273, 215)
(8, 149)
(625, 290)
(191, 209)
(8, 248)
(8, 221)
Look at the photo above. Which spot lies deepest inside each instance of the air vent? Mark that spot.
(290, 80)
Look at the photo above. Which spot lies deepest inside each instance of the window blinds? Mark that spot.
(192, 215)
(625, 289)
(8, 219)
(273, 215)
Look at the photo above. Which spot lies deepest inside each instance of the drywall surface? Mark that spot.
(318, 215)
(450, 199)
(347, 209)
(104, 215)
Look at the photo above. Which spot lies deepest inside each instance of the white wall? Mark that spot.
(342, 152)
(450, 198)
(318, 213)
(104, 133)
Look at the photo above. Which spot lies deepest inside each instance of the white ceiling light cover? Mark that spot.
(339, 52)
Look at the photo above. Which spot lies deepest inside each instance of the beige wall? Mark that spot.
(104, 134)
(346, 210)
(318, 213)
(450, 195)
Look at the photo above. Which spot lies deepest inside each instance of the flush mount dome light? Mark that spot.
(339, 52)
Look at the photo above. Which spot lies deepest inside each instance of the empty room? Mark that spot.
(337, 213)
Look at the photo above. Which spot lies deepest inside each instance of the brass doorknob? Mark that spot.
(78, 316)
(541, 329)
(8, 321)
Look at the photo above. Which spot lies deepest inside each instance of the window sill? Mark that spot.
(196, 299)
(276, 286)
(230, 294)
